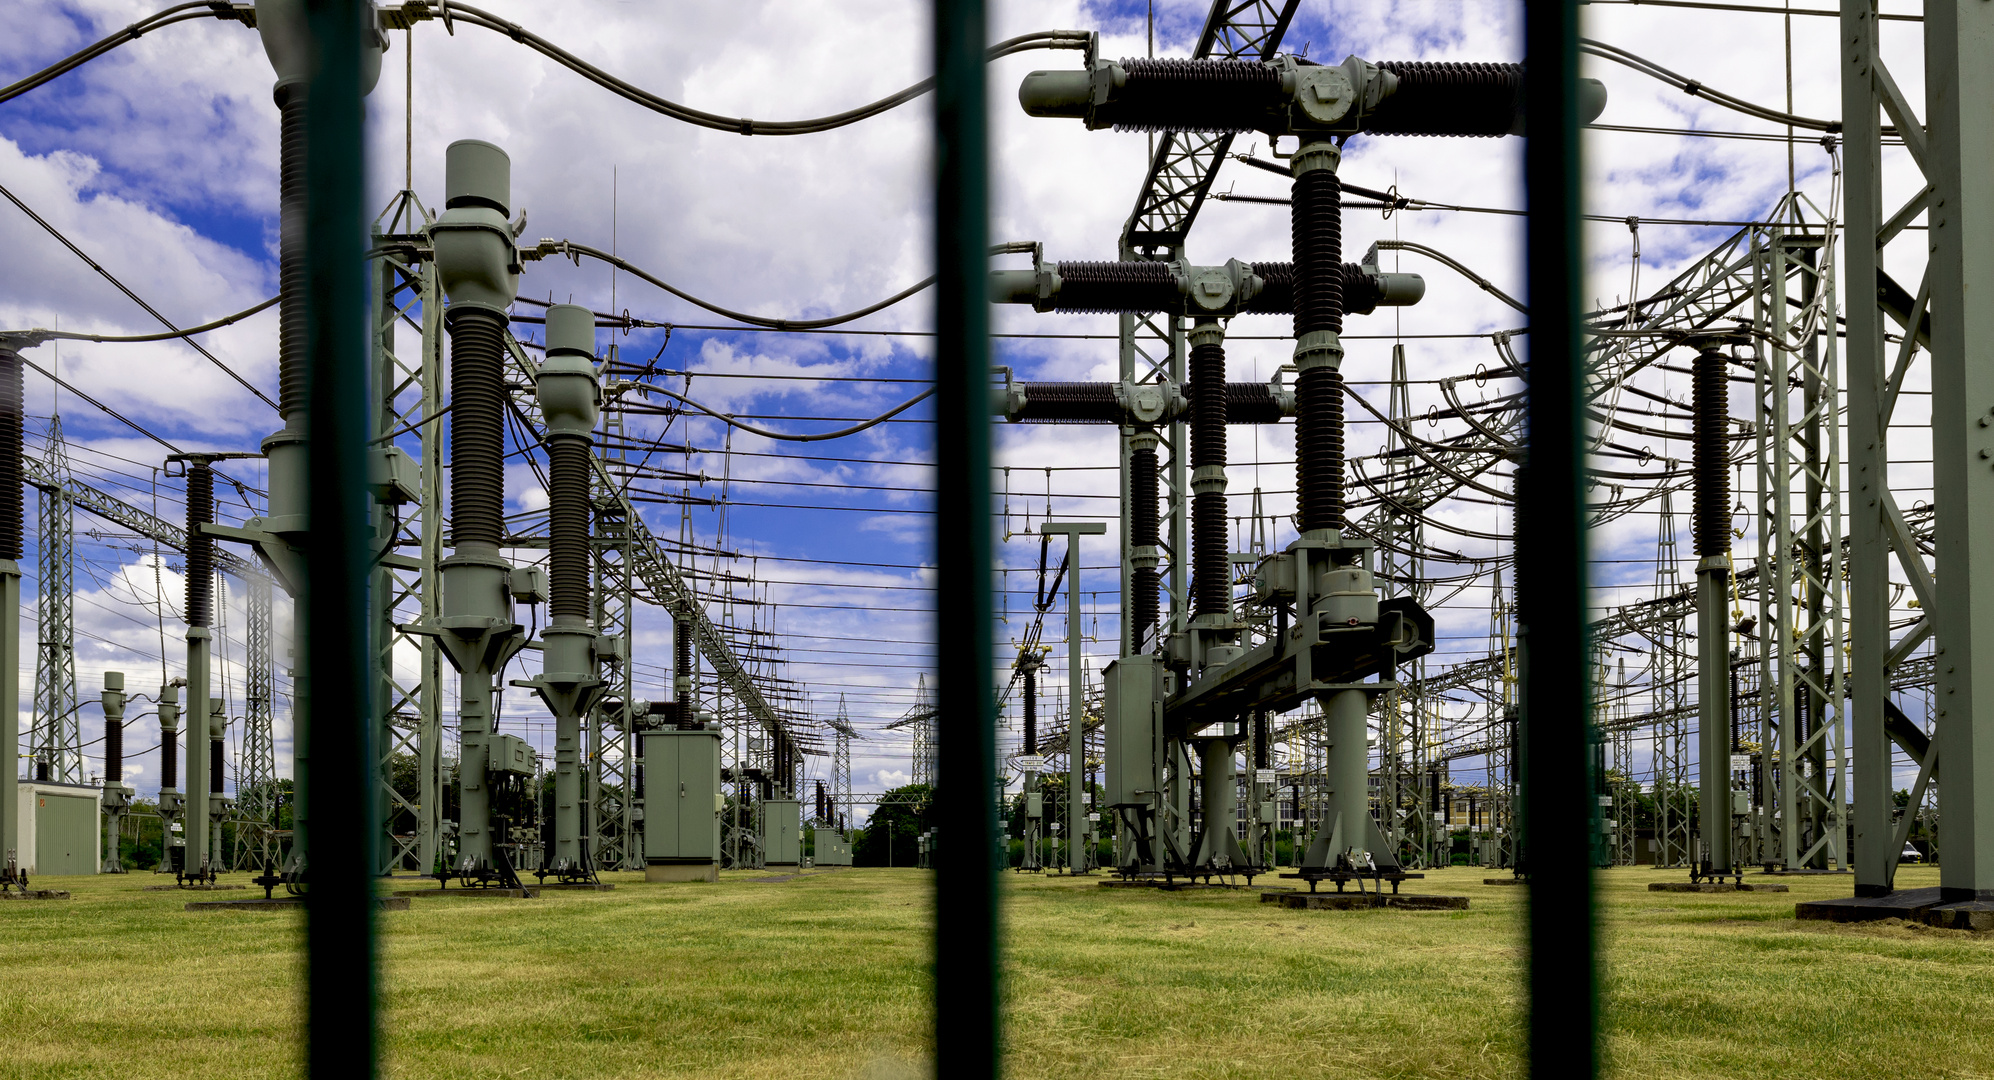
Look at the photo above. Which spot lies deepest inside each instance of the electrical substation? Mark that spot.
(657, 591)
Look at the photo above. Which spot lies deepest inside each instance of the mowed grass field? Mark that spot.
(824, 975)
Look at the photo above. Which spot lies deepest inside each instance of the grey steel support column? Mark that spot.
(1028, 661)
(1347, 772)
(1076, 712)
(1959, 82)
(1869, 454)
(1218, 794)
(11, 403)
(479, 266)
(1713, 587)
(570, 396)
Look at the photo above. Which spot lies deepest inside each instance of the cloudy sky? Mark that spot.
(160, 161)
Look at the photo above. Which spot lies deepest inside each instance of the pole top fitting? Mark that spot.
(570, 331)
(1315, 155)
(1144, 438)
(1318, 349)
(477, 173)
(1206, 331)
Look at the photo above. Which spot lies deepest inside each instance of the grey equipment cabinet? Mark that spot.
(682, 804)
(782, 832)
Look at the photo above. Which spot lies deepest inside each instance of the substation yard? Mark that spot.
(824, 974)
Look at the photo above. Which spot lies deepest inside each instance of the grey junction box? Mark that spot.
(782, 832)
(61, 829)
(682, 804)
(1134, 689)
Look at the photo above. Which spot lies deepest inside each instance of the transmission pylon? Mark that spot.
(841, 769)
(1674, 817)
(923, 728)
(57, 740)
(256, 770)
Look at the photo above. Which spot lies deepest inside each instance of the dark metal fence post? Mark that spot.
(1559, 811)
(966, 1018)
(340, 914)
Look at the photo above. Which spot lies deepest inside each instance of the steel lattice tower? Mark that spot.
(256, 775)
(1673, 818)
(841, 769)
(1501, 779)
(923, 728)
(610, 779)
(57, 740)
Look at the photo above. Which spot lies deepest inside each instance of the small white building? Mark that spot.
(62, 829)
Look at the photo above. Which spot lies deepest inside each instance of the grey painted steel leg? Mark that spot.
(1959, 37)
(1348, 769)
(10, 720)
(194, 823)
(1713, 708)
(1076, 717)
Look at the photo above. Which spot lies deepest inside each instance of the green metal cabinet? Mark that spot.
(782, 832)
(682, 799)
(66, 830)
(1134, 688)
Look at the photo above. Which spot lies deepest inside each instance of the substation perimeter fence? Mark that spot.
(341, 981)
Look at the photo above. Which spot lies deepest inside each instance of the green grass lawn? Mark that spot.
(824, 976)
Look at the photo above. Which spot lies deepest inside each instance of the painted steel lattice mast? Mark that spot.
(256, 795)
(57, 740)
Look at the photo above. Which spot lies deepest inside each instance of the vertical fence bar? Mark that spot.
(1559, 812)
(966, 1020)
(336, 652)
